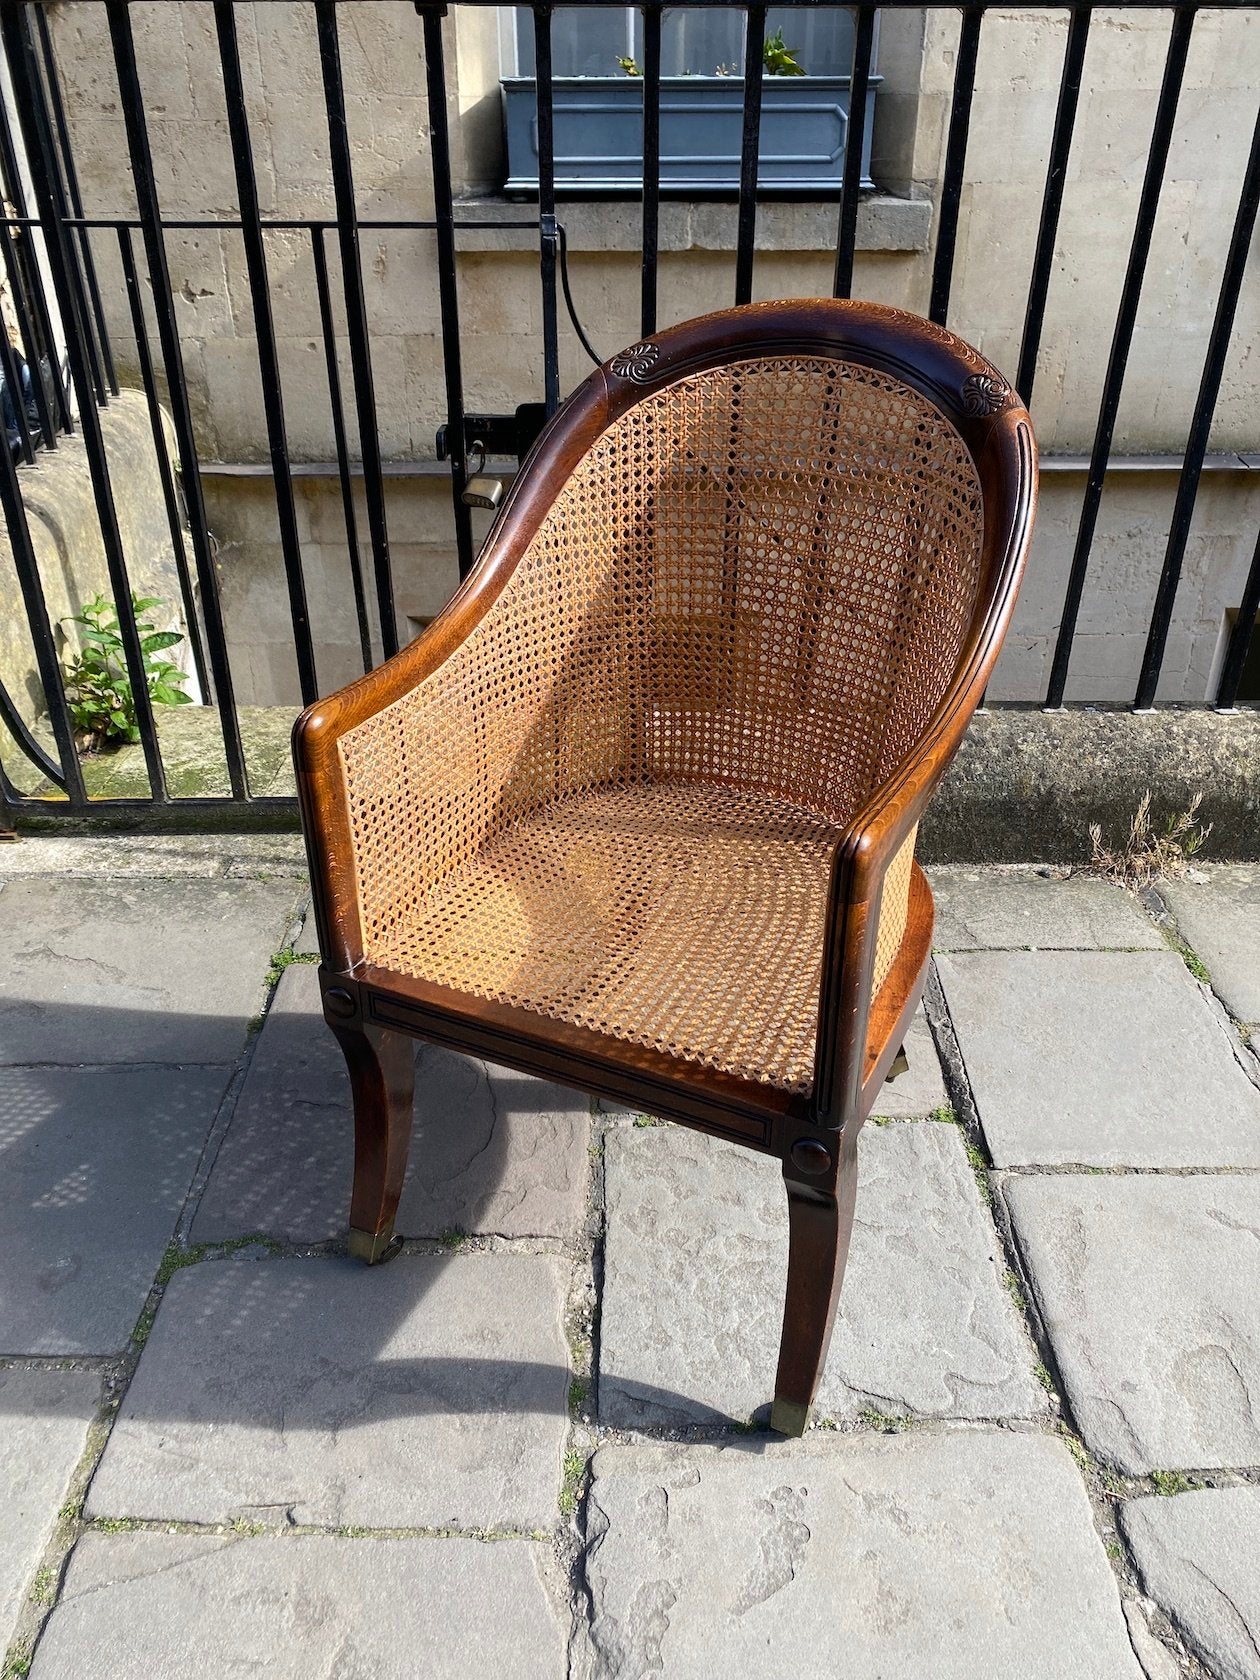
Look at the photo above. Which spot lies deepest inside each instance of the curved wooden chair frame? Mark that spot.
(867, 986)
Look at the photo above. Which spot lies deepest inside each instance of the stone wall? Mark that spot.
(1016, 88)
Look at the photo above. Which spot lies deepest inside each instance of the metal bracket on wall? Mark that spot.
(499, 434)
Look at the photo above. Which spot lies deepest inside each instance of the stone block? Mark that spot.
(160, 1604)
(694, 1268)
(493, 1151)
(45, 1422)
(1196, 1556)
(150, 971)
(1005, 910)
(97, 1163)
(431, 1392)
(1149, 1288)
(967, 1555)
(1220, 919)
(1100, 1058)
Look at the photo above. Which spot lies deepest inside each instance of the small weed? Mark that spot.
(571, 1487)
(1114, 1486)
(748, 1426)
(1169, 1482)
(886, 1422)
(43, 1587)
(144, 1327)
(243, 1525)
(579, 1393)
(944, 1115)
(176, 1258)
(115, 1525)
(1043, 1376)
(1150, 854)
(453, 1238)
(980, 1167)
(1114, 1550)
(18, 1663)
(1075, 1446)
(285, 959)
(71, 1511)
(1192, 959)
(881, 1119)
(1011, 1284)
(646, 1120)
(352, 1531)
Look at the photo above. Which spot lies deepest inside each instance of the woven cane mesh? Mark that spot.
(893, 909)
(616, 802)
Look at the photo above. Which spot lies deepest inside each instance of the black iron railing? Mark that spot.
(49, 254)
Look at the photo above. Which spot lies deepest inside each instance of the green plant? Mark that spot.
(98, 689)
(571, 1487)
(778, 58)
(1169, 1482)
(630, 66)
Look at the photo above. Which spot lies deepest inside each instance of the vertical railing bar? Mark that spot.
(102, 357)
(955, 162)
(356, 319)
(1201, 425)
(1052, 199)
(750, 146)
(16, 195)
(71, 305)
(851, 186)
(30, 340)
(17, 397)
(1122, 335)
(651, 242)
(1240, 638)
(327, 326)
(547, 238)
(26, 564)
(170, 494)
(448, 283)
(150, 217)
(265, 337)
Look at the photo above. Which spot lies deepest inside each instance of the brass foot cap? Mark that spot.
(900, 1065)
(373, 1246)
(789, 1417)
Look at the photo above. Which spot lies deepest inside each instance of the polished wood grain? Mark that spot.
(373, 1011)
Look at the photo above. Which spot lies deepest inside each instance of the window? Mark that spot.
(695, 40)
(597, 99)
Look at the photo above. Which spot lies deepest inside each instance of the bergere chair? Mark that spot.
(637, 812)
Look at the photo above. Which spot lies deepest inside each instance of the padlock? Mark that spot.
(481, 490)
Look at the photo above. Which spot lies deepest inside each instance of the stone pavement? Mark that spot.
(533, 1445)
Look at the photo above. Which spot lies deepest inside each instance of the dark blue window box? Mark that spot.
(599, 133)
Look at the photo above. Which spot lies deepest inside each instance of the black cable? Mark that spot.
(568, 296)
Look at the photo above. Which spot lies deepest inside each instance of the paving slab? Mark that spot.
(997, 910)
(97, 1164)
(1219, 917)
(963, 1555)
(1149, 1288)
(1100, 1058)
(135, 971)
(493, 1151)
(921, 1088)
(44, 1418)
(1197, 1556)
(187, 1606)
(430, 1392)
(694, 1267)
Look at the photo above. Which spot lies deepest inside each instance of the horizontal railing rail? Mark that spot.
(60, 368)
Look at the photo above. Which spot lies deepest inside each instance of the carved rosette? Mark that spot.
(983, 393)
(636, 363)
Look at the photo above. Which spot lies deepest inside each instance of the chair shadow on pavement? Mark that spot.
(267, 1356)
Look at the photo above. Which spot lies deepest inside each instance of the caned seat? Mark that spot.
(639, 810)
